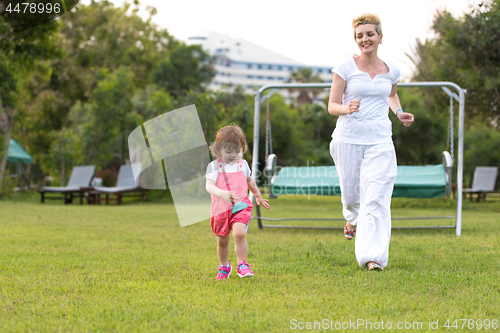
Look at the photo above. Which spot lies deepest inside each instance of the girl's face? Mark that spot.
(230, 154)
(367, 38)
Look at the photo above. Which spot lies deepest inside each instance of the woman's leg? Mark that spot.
(223, 249)
(240, 241)
(378, 173)
(347, 158)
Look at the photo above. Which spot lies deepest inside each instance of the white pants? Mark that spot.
(367, 174)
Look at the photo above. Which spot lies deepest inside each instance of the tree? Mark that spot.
(210, 109)
(410, 148)
(91, 38)
(151, 102)
(186, 68)
(103, 36)
(94, 37)
(466, 51)
(305, 75)
(99, 128)
(21, 55)
(318, 126)
(287, 134)
(481, 144)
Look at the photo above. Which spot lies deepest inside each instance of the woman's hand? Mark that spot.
(353, 106)
(406, 118)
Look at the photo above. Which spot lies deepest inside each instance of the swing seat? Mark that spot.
(428, 181)
(240, 205)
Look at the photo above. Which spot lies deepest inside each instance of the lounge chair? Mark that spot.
(124, 184)
(484, 182)
(80, 177)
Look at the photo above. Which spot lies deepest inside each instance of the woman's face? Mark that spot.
(367, 38)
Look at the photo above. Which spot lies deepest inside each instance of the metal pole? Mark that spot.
(328, 85)
(255, 154)
(460, 161)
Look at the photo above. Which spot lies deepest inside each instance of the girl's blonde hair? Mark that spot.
(227, 137)
(367, 18)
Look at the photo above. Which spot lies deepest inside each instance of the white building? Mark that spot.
(239, 62)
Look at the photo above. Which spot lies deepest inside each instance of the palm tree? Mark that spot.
(305, 75)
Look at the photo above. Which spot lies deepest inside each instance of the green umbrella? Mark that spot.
(18, 154)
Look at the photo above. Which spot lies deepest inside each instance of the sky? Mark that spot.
(314, 32)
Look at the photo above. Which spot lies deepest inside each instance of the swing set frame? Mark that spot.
(459, 96)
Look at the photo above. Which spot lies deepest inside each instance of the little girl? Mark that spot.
(228, 181)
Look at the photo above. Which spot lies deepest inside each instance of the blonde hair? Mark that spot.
(227, 137)
(367, 18)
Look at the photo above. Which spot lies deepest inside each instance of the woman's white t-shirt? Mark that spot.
(213, 169)
(371, 124)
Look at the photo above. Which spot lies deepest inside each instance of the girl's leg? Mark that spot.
(223, 249)
(240, 241)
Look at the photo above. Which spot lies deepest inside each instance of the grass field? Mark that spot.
(132, 268)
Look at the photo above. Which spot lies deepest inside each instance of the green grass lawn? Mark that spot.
(132, 268)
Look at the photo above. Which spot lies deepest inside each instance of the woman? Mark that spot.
(363, 89)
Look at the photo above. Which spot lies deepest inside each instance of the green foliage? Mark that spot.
(482, 148)
(106, 123)
(238, 108)
(287, 133)
(210, 111)
(305, 75)
(21, 55)
(65, 149)
(45, 114)
(151, 102)
(424, 141)
(318, 127)
(101, 35)
(8, 187)
(186, 68)
(465, 51)
(98, 129)
(79, 107)
(93, 41)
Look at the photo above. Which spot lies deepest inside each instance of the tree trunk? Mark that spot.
(5, 135)
(303, 98)
(61, 153)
